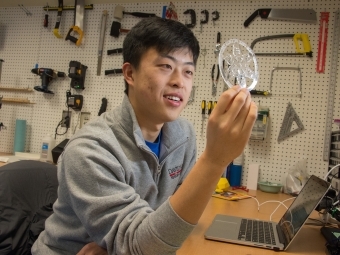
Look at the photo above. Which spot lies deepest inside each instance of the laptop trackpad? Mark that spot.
(224, 228)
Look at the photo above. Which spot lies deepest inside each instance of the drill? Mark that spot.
(46, 75)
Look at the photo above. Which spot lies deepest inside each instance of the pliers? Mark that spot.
(215, 82)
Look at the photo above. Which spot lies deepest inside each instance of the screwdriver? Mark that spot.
(260, 92)
(210, 105)
(214, 105)
(203, 115)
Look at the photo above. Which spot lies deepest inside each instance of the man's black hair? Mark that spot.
(164, 35)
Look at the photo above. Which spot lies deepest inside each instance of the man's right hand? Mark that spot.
(92, 249)
(229, 126)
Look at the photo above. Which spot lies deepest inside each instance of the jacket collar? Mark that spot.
(172, 132)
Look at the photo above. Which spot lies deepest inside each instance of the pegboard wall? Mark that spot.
(24, 42)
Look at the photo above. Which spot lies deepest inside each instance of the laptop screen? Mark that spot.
(303, 205)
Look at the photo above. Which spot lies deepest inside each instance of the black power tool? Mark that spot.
(46, 75)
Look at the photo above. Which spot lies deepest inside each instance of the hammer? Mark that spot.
(115, 29)
(119, 12)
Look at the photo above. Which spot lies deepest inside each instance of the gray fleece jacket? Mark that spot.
(113, 190)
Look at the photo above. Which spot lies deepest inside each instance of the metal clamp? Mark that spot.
(204, 21)
(286, 68)
(215, 16)
(192, 18)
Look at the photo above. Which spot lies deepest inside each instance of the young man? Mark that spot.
(128, 180)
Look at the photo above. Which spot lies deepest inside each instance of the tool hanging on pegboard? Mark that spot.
(332, 85)
(205, 20)
(119, 13)
(218, 44)
(46, 75)
(192, 95)
(297, 15)
(306, 51)
(287, 123)
(28, 13)
(171, 12)
(116, 29)
(299, 93)
(77, 73)
(101, 41)
(2, 126)
(78, 23)
(192, 18)
(46, 18)
(322, 46)
(215, 81)
(57, 24)
(215, 16)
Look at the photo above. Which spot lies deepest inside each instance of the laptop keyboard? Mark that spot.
(257, 231)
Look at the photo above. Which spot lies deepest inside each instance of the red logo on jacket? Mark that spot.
(175, 172)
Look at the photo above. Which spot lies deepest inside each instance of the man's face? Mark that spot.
(160, 87)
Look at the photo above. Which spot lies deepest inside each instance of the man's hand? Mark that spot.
(92, 249)
(229, 126)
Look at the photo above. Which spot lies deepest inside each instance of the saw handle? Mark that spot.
(264, 13)
(73, 39)
(305, 42)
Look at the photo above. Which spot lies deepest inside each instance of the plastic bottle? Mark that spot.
(48, 143)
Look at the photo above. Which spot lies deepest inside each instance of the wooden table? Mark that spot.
(308, 241)
(3, 154)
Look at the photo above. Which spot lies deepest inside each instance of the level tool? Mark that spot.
(323, 34)
(332, 85)
(287, 123)
(101, 42)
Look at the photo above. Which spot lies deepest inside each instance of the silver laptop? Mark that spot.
(269, 234)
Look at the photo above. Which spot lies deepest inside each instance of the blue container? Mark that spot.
(20, 135)
(235, 175)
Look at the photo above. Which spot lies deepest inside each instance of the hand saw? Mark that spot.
(78, 23)
(297, 15)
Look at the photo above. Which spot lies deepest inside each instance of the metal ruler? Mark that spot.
(332, 85)
(101, 42)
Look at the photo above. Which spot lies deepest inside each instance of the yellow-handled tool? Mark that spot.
(306, 51)
(73, 39)
(210, 105)
(305, 42)
(203, 106)
(78, 23)
(57, 24)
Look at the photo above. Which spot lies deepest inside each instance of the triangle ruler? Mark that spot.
(287, 123)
